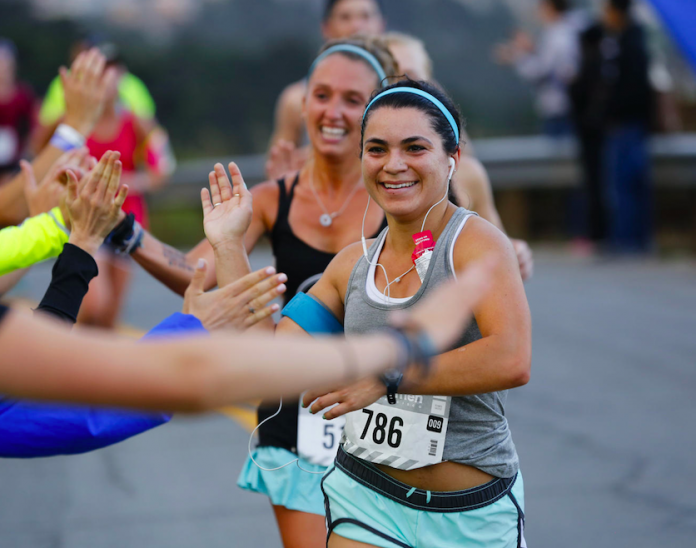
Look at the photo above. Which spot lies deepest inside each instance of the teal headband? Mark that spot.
(349, 48)
(434, 100)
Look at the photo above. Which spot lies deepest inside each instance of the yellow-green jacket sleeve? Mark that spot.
(36, 239)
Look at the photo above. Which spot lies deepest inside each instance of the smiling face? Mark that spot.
(337, 93)
(404, 163)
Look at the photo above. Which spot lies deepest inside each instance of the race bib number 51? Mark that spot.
(318, 439)
(409, 434)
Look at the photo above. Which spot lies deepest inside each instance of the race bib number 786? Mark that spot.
(409, 434)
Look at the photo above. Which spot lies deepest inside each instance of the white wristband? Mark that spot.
(71, 135)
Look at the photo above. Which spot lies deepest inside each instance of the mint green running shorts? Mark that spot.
(292, 486)
(366, 505)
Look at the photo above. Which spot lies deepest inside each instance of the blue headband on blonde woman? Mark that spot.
(349, 48)
(434, 100)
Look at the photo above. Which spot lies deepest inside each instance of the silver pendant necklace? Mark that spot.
(326, 219)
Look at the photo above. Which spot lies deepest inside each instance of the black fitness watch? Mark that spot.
(392, 379)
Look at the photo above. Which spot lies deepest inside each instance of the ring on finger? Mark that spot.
(252, 310)
(219, 203)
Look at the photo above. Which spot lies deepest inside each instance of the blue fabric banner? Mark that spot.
(679, 16)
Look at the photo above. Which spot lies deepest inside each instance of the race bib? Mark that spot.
(409, 434)
(318, 439)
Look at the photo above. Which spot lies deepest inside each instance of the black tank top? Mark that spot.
(303, 265)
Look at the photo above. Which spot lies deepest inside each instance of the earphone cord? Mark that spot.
(295, 461)
(364, 245)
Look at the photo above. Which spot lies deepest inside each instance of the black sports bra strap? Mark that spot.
(284, 200)
(292, 189)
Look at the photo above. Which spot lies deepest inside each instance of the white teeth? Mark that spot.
(402, 185)
(333, 131)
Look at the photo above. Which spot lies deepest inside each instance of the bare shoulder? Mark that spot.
(480, 238)
(331, 287)
(342, 264)
(266, 196)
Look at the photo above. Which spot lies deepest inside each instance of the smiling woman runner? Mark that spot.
(440, 469)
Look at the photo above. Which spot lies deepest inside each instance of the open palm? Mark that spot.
(227, 208)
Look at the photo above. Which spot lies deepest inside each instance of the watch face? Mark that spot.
(392, 376)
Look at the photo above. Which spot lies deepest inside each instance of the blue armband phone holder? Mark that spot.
(312, 315)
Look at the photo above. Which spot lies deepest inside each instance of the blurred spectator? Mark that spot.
(628, 115)
(613, 102)
(589, 227)
(17, 104)
(550, 66)
(132, 93)
(342, 18)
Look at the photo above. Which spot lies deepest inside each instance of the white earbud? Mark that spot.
(452, 165)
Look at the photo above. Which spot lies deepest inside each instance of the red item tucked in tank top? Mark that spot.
(125, 141)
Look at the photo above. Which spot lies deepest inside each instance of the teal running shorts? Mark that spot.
(366, 505)
(290, 487)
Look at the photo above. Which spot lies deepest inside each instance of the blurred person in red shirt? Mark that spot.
(147, 162)
(17, 107)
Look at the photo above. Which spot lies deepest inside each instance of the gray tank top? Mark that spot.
(477, 434)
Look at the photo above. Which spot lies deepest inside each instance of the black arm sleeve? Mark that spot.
(72, 273)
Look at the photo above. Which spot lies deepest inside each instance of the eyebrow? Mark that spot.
(406, 141)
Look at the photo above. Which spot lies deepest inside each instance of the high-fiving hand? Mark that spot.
(94, 203)
(85, 86)
(238, 305)
(227, 208)
(47, 194)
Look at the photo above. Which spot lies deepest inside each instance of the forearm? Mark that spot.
(232, 264)
(192, 375)
(487, 365)
(71, 275)
(169, 265)
(37, 239)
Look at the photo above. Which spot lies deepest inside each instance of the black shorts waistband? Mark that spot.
(435, 501)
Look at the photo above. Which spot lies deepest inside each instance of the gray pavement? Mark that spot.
(605, 432)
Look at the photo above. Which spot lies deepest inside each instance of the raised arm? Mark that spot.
(85, 88)
(228, 224)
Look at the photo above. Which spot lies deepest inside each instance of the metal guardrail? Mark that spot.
(513, 163)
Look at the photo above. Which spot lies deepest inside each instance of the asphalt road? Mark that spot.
(605, 432)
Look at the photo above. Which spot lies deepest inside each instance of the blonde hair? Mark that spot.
(402, 39)
(375, 45)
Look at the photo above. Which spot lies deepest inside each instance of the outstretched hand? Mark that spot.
(47, 194)
(284, 157)
(85, 86)
(227, 208)
(94, 203)
(444, 315)
(238, 305)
